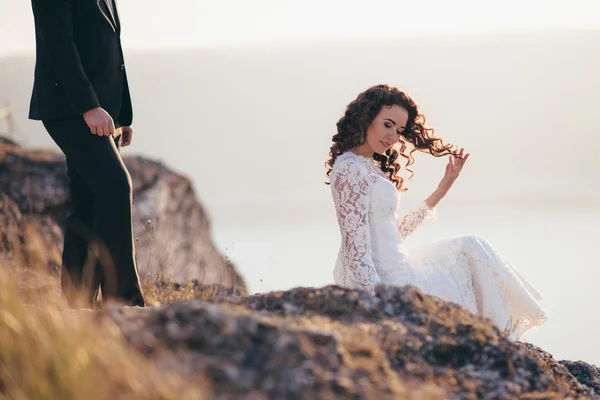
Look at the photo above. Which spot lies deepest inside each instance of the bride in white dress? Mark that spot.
(382, 124)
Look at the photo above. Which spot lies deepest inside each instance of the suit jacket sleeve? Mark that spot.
(54, 18)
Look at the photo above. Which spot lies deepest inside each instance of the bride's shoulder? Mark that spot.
(349, 163)
(346, 159)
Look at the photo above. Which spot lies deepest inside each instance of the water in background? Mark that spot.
(251, 127)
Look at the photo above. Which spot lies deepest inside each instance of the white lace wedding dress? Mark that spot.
(465, 270)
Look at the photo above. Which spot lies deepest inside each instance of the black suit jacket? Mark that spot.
(79, 61)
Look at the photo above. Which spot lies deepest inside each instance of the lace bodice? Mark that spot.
(366, 203)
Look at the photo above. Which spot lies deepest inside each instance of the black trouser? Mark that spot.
(99, 244)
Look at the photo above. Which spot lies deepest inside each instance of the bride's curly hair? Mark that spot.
(360, 113)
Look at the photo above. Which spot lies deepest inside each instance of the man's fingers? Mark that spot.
(101, 130)
(127, 136)
(111, 127)
(106, 128)
(99, 122)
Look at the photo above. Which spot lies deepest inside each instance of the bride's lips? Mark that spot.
(386, 145)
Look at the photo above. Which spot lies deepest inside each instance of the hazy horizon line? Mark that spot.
(514, 33)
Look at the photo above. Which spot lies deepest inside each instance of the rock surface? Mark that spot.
(171, 227)
(330, 342)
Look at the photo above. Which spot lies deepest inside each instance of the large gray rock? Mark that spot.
(334, 343)
(172, 228)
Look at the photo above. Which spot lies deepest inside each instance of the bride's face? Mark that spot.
(385, 130)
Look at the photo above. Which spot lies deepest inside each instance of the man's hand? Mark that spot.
(99, 122)
(127, 133)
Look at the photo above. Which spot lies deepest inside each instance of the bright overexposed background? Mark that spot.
(243, 96)
(154, 24)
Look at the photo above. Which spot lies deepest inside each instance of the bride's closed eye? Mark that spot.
(398, 131)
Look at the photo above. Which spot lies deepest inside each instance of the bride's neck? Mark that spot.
(363, 150)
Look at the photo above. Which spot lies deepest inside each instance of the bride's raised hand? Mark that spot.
(453, 169)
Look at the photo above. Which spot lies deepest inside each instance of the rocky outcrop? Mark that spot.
(171, 227)
(328, 343)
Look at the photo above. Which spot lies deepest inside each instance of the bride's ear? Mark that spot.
(363, 136)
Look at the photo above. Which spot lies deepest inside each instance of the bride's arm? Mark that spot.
(352, 187)
(411, 221)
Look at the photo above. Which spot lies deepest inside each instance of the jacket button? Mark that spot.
(122, 66)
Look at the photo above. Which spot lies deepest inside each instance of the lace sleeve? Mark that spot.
(411, 221)
(352, 187)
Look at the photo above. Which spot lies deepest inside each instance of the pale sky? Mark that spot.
(186, 23)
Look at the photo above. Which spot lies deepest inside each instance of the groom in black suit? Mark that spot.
(82, 97)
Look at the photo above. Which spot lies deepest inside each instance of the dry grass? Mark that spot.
(157, 292)
(50, 352)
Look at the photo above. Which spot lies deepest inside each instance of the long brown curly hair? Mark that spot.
(360, 113)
